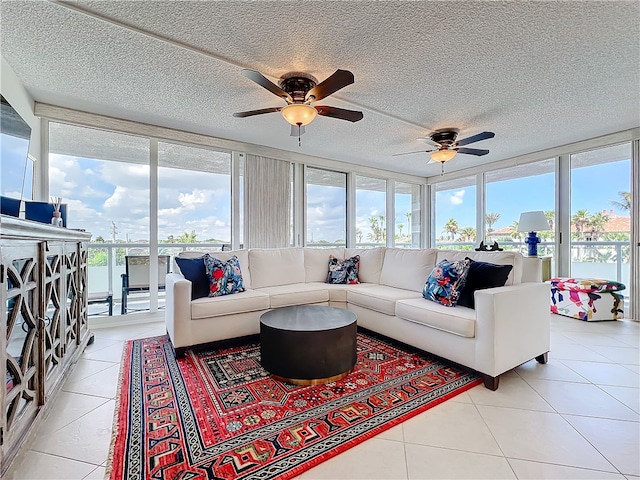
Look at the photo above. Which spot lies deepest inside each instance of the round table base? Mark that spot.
(312, 382)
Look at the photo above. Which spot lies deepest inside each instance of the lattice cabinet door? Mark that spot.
(54, 301)
(19, 340)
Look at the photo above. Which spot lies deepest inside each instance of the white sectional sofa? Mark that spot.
(509, 325)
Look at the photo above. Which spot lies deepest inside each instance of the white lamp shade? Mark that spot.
(442, 155)
(533, 222)
(299, 114)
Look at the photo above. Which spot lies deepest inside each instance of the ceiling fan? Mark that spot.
(447, 147)
(299, 90)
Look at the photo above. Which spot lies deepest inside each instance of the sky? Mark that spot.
(101, 192)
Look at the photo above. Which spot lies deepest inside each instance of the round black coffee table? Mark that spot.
(308, 344)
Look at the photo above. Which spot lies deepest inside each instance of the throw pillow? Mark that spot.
(225, 278)
(445, 282)
(343, 271)
(482, 275)
(193, 269)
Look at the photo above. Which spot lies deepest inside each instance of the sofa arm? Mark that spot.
(178, 310)
(512, 326)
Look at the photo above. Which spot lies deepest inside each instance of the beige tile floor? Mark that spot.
(575, 418)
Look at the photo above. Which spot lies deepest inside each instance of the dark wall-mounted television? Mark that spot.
(16, 168)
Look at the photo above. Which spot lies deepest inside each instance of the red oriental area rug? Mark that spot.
(218, 415)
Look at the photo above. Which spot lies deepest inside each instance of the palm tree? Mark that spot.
(513, 230)
(625, 203)
(490, 219)
(468, 234)
(359, 235)
(187, 237)
(451, 227)
(551, 218)
(580, 220)
(400, 227)
(597, 223)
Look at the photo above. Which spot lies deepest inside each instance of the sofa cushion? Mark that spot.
(316, 262)
(276, 266)
(445, 282)
(379, 297)
(499, 258)
(338, 292)
(243, 259)
(343, 271)
(407, 268)
(225, 278)
(247, 301)
(482, 275)
(296, 294)
(193, 269)
(370, 262)
(459, 321)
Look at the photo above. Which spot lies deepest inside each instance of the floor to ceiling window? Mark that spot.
(455, 214)
(194, 197)
(511, 191)
(407, 215)
(371, 205)
(600, 213)
(103, 177)
(326, 210)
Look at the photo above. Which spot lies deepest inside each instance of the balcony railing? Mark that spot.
(608, 260)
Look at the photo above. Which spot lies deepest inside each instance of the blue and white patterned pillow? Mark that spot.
(446, 281)
(225, 278)
(343, 271)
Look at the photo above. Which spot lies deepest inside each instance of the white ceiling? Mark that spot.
(538, 74)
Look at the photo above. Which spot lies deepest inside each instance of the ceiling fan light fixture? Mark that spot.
(442, 155)
(299, 114)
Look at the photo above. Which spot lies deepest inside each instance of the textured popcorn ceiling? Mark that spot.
(538, 74)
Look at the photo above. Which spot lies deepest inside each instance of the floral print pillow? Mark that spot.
(343, 271)
(225, 278)
(446, 281)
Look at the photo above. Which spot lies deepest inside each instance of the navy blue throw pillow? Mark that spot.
(194, 270)
(482, 275)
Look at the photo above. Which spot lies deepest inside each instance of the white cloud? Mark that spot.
(456, 198)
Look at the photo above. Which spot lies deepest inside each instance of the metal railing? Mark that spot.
(604, 259)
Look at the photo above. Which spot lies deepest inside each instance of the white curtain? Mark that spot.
(267, 202)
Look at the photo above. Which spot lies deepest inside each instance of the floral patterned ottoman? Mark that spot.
(589, 299)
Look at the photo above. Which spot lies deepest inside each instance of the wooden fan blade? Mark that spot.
(472, 151)
(339, 79)
(411, 153)
(251, 113)
(476, 138)
(266, 83)
(341, 113)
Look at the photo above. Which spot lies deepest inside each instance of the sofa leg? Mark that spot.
(544, 358)
(490, 382)
(180, 351)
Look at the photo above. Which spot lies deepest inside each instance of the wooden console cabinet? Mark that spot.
(43, 280)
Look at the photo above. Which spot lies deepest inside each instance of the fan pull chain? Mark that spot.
(299, 143)
(442, 170)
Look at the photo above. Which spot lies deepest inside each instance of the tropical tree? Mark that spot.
(597, 223)
(451, 227)
(187, 237)
(580, 220)
(400, 227)
(513, 231)
(551, 218)
(625, 201)
(378, 232)
(359, 235)
(490, 219)
(468, 234)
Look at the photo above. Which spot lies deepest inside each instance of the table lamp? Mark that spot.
(533, 222)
